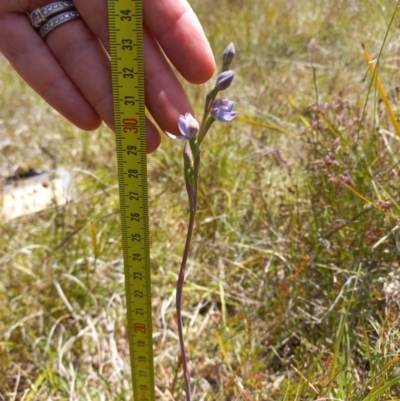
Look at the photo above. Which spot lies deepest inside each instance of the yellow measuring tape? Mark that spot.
(126, 48)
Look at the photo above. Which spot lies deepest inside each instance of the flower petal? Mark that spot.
(217, 103)
(227, 107)
(226, 117)
(215, 112)
(192, 126)
(172, 136)
(182, 125)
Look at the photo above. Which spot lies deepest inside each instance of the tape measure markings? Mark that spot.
(126, 49)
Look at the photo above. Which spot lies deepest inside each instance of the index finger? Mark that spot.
(177, 29)
(174, 25)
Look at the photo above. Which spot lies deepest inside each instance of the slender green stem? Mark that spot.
(210, 101)
(181, 278)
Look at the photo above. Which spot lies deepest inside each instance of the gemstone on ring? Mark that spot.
(37, 18)
(42, 14)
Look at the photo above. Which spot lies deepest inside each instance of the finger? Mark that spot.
(174, 25)
(177, 29)
(152, 137)
(33, 60)
(95, 14)
(86, 62)
(165, 97)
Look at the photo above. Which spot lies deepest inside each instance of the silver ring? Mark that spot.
(42, 14)
(57, 21)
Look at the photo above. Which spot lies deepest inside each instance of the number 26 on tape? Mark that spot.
(130, 125)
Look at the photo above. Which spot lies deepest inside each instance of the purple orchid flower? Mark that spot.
(188, 127)
(222, 110)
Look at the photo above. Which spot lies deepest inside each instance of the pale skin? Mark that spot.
(70, 69)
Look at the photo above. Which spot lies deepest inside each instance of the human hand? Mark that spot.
(70, 68)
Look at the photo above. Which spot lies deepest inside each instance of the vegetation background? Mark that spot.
(293, 287)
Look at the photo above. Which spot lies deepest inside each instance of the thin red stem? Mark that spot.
(181, 279)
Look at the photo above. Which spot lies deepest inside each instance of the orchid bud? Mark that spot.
(188, 126)
(228, 56)
(224, 80)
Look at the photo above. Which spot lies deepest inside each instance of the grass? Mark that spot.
(290, 294)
